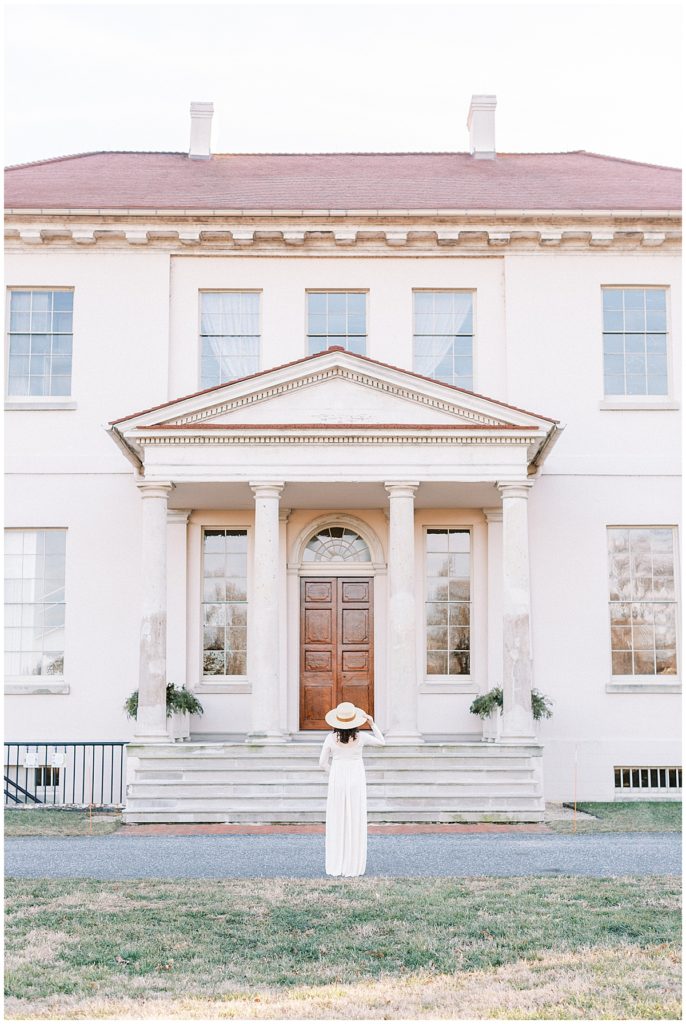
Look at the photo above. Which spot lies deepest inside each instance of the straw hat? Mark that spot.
(346, 716)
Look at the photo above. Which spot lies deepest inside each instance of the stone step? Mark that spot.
(276, 791)
(492, 775)
(305, 750)
(454, 763)
(260, 806)
(315, 817)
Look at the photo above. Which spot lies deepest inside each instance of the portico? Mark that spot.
(336, 516)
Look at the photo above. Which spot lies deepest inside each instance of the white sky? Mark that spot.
(356, 77)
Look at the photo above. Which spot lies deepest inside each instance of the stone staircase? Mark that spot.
(240, 782)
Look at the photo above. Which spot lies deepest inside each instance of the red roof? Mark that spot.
(343, 181)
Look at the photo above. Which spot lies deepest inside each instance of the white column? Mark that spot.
(518, 723)
(151, 722)
(263, 616)
(177, 594)
(402, 616)
(494, 616)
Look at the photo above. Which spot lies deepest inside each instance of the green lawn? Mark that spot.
(630, 816)
(60, 822)
(550, 948)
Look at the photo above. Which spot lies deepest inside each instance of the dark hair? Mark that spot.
(346, 734)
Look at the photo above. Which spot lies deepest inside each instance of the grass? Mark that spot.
(630, 816)
(60, 822)
(556, 948)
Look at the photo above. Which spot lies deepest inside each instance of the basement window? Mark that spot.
(647, 778)
(47, 776)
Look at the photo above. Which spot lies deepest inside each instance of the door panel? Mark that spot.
(336, 647)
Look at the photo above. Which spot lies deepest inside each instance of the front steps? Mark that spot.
(282, 782)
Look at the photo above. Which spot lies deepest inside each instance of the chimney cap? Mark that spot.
(481, 101)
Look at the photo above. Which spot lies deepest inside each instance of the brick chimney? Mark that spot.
(481, 124)
(201, 130)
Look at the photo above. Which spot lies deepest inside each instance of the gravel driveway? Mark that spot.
(302, 856)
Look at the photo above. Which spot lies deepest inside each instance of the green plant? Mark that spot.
(488, 702)
(179, 699)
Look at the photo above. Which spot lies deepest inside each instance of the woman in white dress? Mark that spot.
(346, 803)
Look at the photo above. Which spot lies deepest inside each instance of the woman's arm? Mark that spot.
(324, 756)
(377, 737)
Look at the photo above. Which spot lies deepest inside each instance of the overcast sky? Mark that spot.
(329, 77)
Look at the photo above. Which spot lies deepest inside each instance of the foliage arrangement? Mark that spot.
(179, 699)
(484, 704)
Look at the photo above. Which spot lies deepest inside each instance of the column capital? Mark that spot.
(518, 489)
(154, 488)
(284, 514)
(178, 516)
(402, 489)
(266, 488)
(493, 515)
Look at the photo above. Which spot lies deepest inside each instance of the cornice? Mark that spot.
(149, 437)
(402, 232)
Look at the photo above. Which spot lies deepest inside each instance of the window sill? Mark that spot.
(25, 687)
(34, 406)
(444, 685)
(634, 405)
(224, 686)
(631, 687)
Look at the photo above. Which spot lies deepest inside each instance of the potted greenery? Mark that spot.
(181, 704)
(489, 707)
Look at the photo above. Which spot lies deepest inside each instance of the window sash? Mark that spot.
(34, 602)
(229, 336)
(448, 602)
(337, 318)
(643, 602)
(40, 342)
(224, 602)
(635, 342)
(443, 336)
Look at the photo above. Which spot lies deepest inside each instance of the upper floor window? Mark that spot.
(229, 336)
(448, 602)
(34, 602)
(635, 341)
(40, 342)
(444, 336)
(643, 610)
(337, 318)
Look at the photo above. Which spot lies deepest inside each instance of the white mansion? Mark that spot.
(391, 428)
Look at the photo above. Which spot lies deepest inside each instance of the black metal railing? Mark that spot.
(65, 774)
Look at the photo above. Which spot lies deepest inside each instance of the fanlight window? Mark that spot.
(336, 544)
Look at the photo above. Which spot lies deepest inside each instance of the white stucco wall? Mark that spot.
(538, 345)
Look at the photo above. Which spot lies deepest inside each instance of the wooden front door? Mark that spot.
(336, 646)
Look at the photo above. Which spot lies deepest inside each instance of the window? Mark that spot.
(229, 336)
(635, 341)
(46, 775)
(444, 336)
(225, 608)
(648, 778)
(40, 343)
(337, 318)
(34, 602)
(336, 544)
(448, 608)
(642, 601)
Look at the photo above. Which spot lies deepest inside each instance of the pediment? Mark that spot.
(334, 387)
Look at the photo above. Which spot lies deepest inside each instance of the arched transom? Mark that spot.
(336, 544)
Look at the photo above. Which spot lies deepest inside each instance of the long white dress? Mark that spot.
(346, 802)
